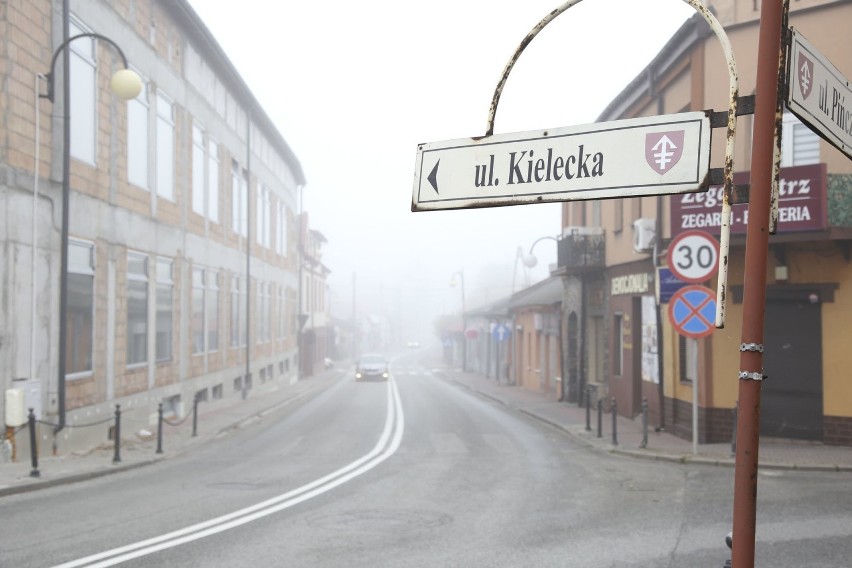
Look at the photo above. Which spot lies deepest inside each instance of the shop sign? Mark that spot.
(801, 204)
(631, 284)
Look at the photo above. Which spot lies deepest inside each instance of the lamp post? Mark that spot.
(125, 84)
(460, 274)
(529, 261)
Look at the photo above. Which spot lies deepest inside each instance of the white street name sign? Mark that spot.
(819, 94)
(625, 158)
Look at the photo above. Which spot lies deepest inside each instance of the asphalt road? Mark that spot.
(417, 472)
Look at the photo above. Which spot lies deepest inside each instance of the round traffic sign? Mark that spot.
(694, 256)
(692, 311)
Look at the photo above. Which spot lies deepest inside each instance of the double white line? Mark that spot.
(387, 445)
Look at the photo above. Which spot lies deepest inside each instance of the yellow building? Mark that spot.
(627, 346)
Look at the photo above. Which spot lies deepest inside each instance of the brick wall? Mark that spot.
(837, 430)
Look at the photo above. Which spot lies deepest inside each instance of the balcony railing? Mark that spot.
(583, 248)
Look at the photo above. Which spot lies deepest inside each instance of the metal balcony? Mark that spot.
(582, 249)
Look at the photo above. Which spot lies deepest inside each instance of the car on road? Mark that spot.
(372, 366)
(413, 344)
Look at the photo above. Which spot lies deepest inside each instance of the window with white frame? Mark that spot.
(83, 103)
(137, 308)
(198, 163)
(79, 325)
(281, 225)
(263, 300)
(235, 311)
(137, 139)
(244, 287)
(688, 358)
(239, 199)
(165, 309)
(212, 310)
(165, 147)
(264, 230)
(282, 313)
(198, 286)
(799, 144)
(212, 180)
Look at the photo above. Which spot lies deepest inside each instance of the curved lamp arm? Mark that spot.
(125, 82)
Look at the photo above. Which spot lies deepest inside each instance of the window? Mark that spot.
(688, 357)
(198, 162)
(239, 199)
(281, 226)
(212, 311)
(79, 326)
(83, 94)
(618, 224)
(137, 139)
(165, 308)
(137, 308)
(618, 345)
(243, 310)
(165, 147)
(282, 313)
(198, 286)
(263, 299)
(264, 231)
(212, 180)
(596, 214)
(799, 144)
(235, 311)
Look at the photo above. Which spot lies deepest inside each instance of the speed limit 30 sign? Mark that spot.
(694, 256)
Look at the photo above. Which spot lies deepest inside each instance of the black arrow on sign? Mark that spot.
(433, 177)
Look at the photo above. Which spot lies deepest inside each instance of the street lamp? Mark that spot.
(453, 283)
(529, 261)
(125, 84)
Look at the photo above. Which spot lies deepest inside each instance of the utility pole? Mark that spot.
(767, 112)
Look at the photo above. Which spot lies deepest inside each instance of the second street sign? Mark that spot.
(819, 94)
(625, 158)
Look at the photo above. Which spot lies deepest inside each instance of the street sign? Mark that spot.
(501, 333)
(667, 284)
(624, 158)
(694, 256)
(819, 94)
(692, 311)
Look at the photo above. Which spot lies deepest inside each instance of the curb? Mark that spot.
(682, 459)
(101, 471)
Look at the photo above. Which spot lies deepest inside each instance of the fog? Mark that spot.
(354, 87)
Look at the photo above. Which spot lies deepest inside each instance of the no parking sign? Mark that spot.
(692, 311)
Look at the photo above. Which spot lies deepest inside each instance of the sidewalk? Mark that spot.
(214, 420)
(773, 453)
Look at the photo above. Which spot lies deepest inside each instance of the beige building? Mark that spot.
(624, 342)
(183, 259)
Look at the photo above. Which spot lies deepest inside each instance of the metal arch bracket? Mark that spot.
(751, 347)
(733, 88)
(744, 376)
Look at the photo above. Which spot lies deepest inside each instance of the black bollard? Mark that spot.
(117, 441)
(644, 443)
(33, 449)
(160, 428)
(588, 410)
(600, 418)
(195, 417)
(614, 409)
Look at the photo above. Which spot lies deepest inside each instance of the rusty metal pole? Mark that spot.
(754, 283)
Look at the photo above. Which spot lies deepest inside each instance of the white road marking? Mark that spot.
(387, 445)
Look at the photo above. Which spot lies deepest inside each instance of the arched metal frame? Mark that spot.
(733, 80)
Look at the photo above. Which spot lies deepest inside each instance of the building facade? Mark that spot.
(183, 259)
(624, 342)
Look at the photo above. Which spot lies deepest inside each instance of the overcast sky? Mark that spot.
(354, 87)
